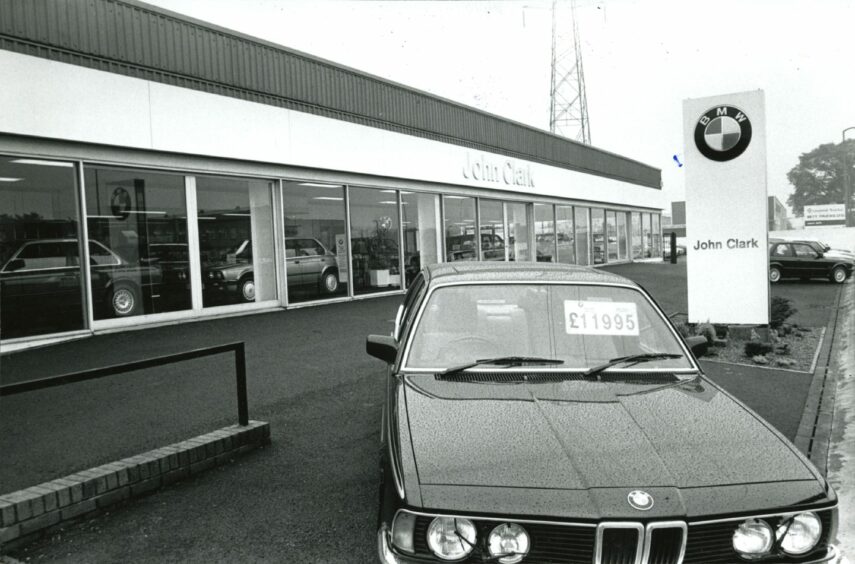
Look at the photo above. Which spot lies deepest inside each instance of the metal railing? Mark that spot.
(94, 373)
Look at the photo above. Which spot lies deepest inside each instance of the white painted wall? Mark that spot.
(61, 101)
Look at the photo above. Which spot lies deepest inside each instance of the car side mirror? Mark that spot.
(698, 344)
(13, 265)
(383, 347)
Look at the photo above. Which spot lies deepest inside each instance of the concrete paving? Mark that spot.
(841, 454)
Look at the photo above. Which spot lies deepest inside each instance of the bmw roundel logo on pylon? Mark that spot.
(723, 133)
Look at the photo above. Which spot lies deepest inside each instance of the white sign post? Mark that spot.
(726, 218)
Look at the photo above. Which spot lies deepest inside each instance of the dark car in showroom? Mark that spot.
(41, 284)
(553, 414)
(800, 259)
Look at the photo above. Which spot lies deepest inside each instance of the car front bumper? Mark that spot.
(221, 285)
(387, 554)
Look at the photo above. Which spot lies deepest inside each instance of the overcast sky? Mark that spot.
(641, 59)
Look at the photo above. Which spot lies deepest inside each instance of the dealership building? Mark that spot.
(155, 168)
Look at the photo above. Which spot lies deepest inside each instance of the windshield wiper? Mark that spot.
(634, 358)
(500, 361)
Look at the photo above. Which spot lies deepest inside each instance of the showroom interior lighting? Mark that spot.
(42, 163)
(316, 185)
(4, 179)
(333, 198)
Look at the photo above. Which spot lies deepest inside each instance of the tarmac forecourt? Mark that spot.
(310, 494)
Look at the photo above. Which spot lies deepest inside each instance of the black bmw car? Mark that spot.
(552, 414)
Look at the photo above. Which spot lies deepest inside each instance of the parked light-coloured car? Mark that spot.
(308, 263)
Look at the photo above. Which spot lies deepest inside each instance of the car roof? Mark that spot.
(55, 240)
(475, 271)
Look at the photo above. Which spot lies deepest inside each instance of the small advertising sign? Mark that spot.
(828, 215)
(727, 266)
(600, 318)
(341, 257)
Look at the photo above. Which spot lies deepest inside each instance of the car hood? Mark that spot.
(837, 254)
(581, 435)
(227, 267)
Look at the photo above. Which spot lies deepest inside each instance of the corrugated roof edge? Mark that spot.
(208, 25)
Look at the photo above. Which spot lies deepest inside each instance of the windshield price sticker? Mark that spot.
(600, 318)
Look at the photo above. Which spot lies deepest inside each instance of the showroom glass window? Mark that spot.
(235, 218)
(459, 220)
(621, 231)
(582, 250)
(374, 233)
(598, 236)
(41, 287)
(611, 236)
(657, 235)
(645, 235)
(636, 235)
(315, 241)
(544, 233)
(493, 235)
(421, 232)
(565, 235)
(518, 232)
(139, 254)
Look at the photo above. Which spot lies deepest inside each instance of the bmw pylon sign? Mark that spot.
(724, 150)
(723, 133)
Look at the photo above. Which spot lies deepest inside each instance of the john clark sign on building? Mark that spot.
(507, 171)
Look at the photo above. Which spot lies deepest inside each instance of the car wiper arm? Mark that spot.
(501, 361)
(643, 357)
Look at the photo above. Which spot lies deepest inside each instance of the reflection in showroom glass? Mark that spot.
(421, 231)
(374, 231)
(492, 230)
(316, 241)
(138, 220)
(583, 255)
(459, 216)
(41, 288)
(235, 219)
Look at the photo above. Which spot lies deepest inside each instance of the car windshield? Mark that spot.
(241, 250)
(582, 325)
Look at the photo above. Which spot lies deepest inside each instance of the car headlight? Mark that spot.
(799, 534)
(753, 538)
(451, 538)
(509, 539)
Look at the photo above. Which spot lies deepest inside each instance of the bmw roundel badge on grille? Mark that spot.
(640, 500)
(723, 133)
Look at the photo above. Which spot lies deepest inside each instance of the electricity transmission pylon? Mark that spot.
(568, 104)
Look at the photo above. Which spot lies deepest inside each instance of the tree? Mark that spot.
(818, 178)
